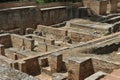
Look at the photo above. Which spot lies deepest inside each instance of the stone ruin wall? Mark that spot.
(20, 18)
(60, 34)
(67, 51)
(31, 64)
(31, 16)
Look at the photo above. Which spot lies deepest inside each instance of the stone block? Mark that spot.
(32, 66)
(56, 62)
(22, 66)
(79, 68)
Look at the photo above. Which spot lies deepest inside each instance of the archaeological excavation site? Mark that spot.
(67, 40)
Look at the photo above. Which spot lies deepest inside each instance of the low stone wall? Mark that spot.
(41, 39)
(96, 28)
(22, 42)
(101, 65)
(14, 55)
(53, 32)
(80, 37)
(90, 46)
(43, 47)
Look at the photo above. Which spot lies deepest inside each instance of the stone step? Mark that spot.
(46, 70)
(96, 76)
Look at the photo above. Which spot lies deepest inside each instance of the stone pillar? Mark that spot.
(15, 56)
(2, 52)
(113, 4)
(79, 68)
(22, 66)
(56, 62)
